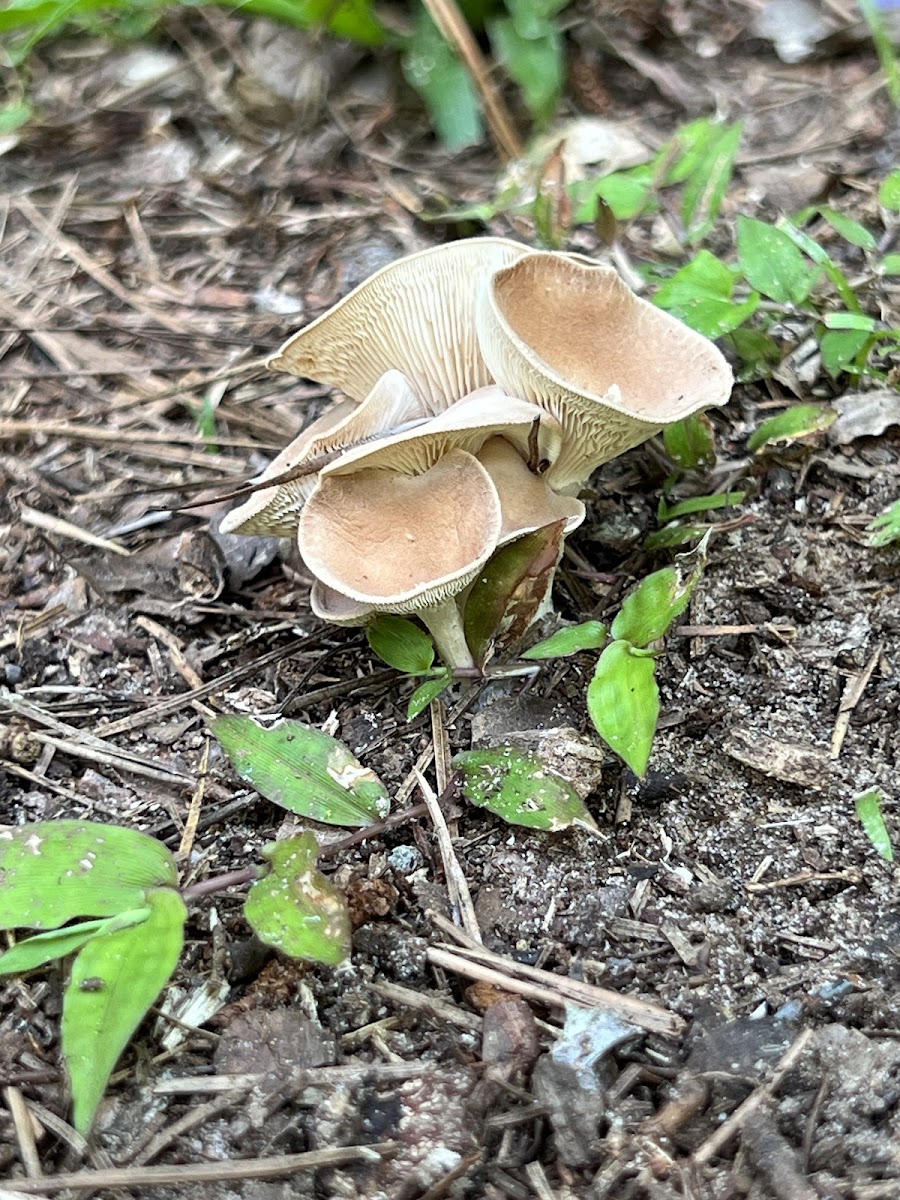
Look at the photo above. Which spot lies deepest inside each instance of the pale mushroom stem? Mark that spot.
(444, 622)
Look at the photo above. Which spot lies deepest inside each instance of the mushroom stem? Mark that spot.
(444, 622)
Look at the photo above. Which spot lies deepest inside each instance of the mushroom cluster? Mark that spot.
(483, 382)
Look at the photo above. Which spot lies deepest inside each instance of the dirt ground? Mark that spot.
(167, 221)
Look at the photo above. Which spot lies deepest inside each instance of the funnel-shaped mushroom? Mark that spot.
(403, 543)
(492, 380)
(572, 338)
(416, 315)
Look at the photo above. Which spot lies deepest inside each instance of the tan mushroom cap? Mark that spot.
(400, 543)
(416, 315)
(613, 369)
(465, 426)
(331, 606)
(272, 512)
(526, 502)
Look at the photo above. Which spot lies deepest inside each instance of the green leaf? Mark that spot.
(674, 535)
(698, 504)
(868, 809)
(885, 528)
(890, 264)
(850, 230)
(533, 58)
(649, 611)
(589, 635)
(428, 691)
(623, 703)
(889, 192)
(352, 19)
(295, 909)
(303, 770)
(114, 981)
(850, 320)
(58, 943)
(691, 442)
(705, 189)
(54, 871)
(700, 295)
(796, 422)
(757, 351)
(628, 193)
(840, 348)
(434, 71)
(13, 115)
(510, 589)
(519, 788)
(771, 262)
(400, 643)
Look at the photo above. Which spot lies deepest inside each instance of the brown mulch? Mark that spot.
(174, 212)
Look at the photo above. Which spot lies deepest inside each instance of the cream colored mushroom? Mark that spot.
(612, 369)
(416, 315)
(403, 543)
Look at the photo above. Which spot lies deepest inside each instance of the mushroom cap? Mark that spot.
(400, 543)
(467, 425)
(574, 339)
(332, 606)
(272, 512)
(416, 315)
(526, 502)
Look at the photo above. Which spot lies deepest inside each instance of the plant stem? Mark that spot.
(218, 883)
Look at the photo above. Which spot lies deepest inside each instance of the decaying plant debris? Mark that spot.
(161, 239)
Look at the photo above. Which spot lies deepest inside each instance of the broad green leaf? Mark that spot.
(850, 230)
(705, 188)
(796, 422)
(114, 981)
(58, 943)
(771, 262)
(812, 249)
(687, 149)
(628, 193)
(54, 871)
(691, 442)
(890, 264)
(840, 349)
(701, 295)
(885, 528)
(648, 612)
(533, 58)
(521, 789)
(433, 69)
(698, 504)
(510, 589)
(868, 809)
(623, 703)
(401, 643)
(295, 909)
(303, 770)
(889, 192)
(589, 635)
(428, 691)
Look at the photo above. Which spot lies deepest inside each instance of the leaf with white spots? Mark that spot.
(303, 770)
(114, 981)
(519, 788)
(54, 871)
(295, 909)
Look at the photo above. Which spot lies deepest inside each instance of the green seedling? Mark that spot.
(885, 528)
(691, 443)
(799, 421)
(441, 680)
(589, 635)
(623, 702)
(869, 810)
(316, 925)
(520, 789)
(303, 770)
(698, 504)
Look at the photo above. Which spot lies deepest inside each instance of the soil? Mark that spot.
(174, 212)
